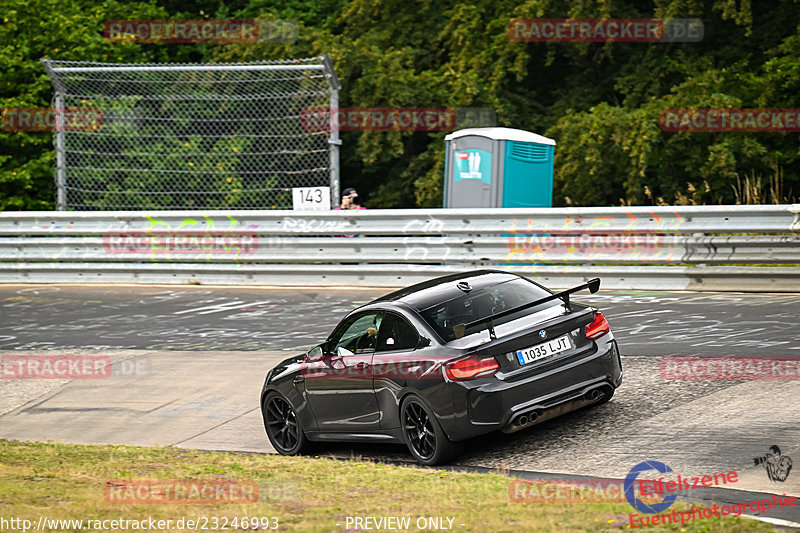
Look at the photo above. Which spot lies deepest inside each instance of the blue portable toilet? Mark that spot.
(498, 167)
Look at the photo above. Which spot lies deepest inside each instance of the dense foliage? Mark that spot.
(600, 101)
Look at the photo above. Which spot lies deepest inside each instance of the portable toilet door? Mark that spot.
(471, 170)
(498, 167)
(528, 171)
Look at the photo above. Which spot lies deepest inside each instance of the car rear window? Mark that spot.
(483, 303)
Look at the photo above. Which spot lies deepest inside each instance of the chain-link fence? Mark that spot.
(192, 136)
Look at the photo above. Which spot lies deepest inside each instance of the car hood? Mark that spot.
(290, 365)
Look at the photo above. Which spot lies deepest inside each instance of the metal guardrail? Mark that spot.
(795, 209)
(630, 220)
(675, 248)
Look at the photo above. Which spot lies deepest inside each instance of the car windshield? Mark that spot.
(482, 304)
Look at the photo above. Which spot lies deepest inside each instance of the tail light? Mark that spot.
(472, 367)
(597, 327)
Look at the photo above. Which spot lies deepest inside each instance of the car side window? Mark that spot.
(396, 334)
(359, 334)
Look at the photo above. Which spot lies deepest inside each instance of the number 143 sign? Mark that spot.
(311, 198)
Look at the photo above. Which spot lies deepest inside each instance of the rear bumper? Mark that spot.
(494, 404)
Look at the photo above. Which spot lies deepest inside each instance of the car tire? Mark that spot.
(423, 434)
(283, 426)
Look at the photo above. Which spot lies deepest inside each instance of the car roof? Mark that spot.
(435, 291)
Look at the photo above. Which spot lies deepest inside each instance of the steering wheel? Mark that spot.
(359, 342)
(365, 341)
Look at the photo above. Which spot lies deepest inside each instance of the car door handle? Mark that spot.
(298, 379)
(361, 366)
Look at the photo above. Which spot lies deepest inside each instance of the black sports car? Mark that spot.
(442, 361)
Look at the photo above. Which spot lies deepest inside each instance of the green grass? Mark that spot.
(66, 481)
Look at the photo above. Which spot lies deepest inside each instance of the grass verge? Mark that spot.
(77, 482)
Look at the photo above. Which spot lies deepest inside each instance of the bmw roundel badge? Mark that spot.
(543, 334)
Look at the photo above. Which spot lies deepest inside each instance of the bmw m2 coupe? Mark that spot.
(442, 361)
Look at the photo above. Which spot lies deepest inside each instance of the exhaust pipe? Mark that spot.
(521, 421)
(593, 395)
(527, 418)
(598, 393)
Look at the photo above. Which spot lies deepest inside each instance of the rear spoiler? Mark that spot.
(460, 329)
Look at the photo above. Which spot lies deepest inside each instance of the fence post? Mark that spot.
(61, 182)
(333, 140)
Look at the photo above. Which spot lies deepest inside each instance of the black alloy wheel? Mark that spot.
(424, 436)
(283, 427)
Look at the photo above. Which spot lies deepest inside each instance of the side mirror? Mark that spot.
(316, 353)
(594, 285)
(422, 343)
(342, 352)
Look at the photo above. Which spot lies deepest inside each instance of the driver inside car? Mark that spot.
(363, 343)
(367, 341)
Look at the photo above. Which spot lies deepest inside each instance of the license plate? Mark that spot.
(546, 349)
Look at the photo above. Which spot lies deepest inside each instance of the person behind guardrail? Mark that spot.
(350, 200)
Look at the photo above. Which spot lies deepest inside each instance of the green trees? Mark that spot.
(64, 29)
(748, 62)
(600, 101)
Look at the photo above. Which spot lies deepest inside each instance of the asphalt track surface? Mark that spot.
(189, 363)
(243, 319)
